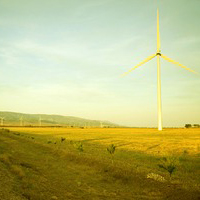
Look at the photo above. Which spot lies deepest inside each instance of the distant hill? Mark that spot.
(23, 119)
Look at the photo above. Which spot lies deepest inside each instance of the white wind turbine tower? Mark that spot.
(40, 121)
(21, 121)
(158, 55)
(2, 119)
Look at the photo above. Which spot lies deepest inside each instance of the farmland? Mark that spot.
(148, 141)
(52, 158)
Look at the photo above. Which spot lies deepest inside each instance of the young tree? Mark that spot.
(111, 150)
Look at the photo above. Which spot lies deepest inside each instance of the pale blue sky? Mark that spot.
(66, 57)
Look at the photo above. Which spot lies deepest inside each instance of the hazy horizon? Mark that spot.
(66, 58)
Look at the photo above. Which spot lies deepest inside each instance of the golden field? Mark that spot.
(151, 141)
(48, 163)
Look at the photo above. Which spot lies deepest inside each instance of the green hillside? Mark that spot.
(23, 119)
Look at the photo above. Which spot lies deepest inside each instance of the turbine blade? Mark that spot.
(176, 63)
(143, 62)
(158, 33)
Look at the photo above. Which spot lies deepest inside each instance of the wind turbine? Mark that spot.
(40, 121)
(158, 55)
(21, 121)
(2, 119)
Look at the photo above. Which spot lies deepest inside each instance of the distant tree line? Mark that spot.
(192, 126)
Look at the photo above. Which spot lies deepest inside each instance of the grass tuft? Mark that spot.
(5, 158)
(78, 146)
(62, 139)
(16, 170)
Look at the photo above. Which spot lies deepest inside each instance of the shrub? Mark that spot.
(169, 164)
(185, 152)
(111, 149)
(62, 139)
(79, 146)
(196, 125)
(188, 125)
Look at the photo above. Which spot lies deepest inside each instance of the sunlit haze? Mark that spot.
(66, 57)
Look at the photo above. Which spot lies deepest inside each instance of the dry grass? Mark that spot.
(17, 170)
(150, 141)
(14, 168)
(41, 151)
(5, 158)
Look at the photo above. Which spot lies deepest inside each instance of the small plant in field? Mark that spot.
(17, 171)
(79, 146)
(111, 150)
(49, 142)
(62, 139)
(185, 152)
(6, 130)
(5, 159)
(169, 164)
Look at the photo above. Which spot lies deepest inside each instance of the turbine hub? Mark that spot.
(158, 54)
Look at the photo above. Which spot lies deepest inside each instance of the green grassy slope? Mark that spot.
(13, 118)
(33, 169)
